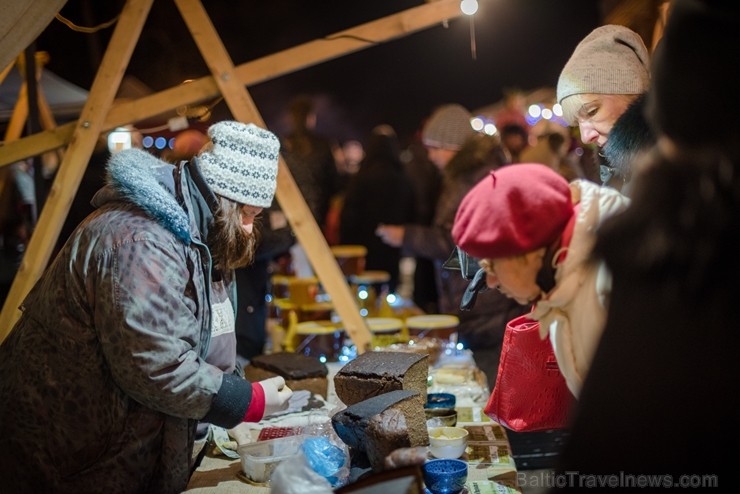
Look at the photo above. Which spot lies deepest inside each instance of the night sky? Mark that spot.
(520, 44)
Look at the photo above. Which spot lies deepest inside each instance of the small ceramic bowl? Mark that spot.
(448, 442)
(445, 476)
(439, 417)
(440, 400)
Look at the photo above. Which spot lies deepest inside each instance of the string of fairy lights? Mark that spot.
(534, 114)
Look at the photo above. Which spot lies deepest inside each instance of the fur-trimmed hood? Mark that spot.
(630, 136)
(138, 177)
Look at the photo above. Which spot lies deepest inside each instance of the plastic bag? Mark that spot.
(321, 465)
(297, 477)
(325, 458)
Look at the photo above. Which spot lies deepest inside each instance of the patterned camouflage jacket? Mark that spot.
(103, 378)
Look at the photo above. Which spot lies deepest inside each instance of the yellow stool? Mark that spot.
(302, 291)
(351, 258)
(370, 287)
(320, 339)
(280, 285)
(280, 308)
(315, 312)
(385, 330)
(441, 326)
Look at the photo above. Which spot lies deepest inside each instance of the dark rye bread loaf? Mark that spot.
(374, 373)
(298, 370)
(382, 424)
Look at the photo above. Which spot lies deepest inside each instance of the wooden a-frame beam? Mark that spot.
(293, 204)
(68, 178)
(249, 73)
(19, 117)
(4, 73)
(202, 89)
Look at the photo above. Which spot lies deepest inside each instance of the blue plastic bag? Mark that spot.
(325, 458)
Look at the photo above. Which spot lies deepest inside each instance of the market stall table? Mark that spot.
(491, 465)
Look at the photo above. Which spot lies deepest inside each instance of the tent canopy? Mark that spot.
(65, 99)
(21, 23)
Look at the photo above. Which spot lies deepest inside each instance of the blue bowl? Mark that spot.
(440, 400)
(445, 476)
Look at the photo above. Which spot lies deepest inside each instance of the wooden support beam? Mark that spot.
(6, 71)
(97, 116)
(250, 73)
(20, 110)
(39, 143)
(19, 116)
(67, 180)
(296, 210)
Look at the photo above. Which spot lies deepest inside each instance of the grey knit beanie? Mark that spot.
(612, 59)
(448, 127)
(242, 164)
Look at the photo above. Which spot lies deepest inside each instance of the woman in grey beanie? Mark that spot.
(607, 71)
(665, 373)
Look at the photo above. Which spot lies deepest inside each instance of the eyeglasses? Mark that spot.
(460, 261)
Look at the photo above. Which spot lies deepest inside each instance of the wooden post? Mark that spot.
(22, 106)
(70, 173)
(97, 116)
(297, 211)
(249, 73)
(6, 71)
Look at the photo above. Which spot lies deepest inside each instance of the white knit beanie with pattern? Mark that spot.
(242, 164)
(612, 59)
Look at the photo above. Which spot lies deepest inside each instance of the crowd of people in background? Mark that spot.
(628, 261)
(463, 157)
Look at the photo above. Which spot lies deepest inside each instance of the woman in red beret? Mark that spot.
(533, 233)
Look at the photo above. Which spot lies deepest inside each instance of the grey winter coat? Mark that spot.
(103, 378)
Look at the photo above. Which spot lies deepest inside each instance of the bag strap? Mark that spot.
(562, 252)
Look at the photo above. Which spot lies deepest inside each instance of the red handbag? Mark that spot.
(530, 392)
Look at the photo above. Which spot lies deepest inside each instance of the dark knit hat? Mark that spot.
(448, 127)
(696, 75)
(515, 210)
(612, 59)
(242, 164)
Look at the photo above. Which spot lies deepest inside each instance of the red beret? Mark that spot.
(515, 210)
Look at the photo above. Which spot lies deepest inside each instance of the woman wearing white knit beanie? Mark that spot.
(127, 341)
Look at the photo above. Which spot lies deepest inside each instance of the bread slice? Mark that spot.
(374, 373)
(376, 427)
